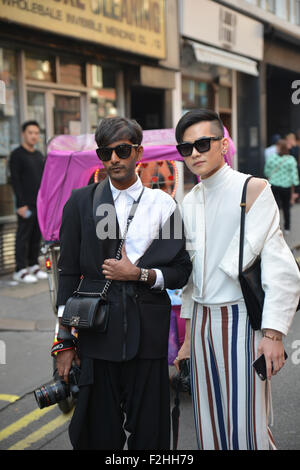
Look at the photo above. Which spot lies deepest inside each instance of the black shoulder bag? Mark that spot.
(250, 279)
(90, 310)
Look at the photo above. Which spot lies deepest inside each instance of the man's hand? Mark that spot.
(274, 354)
(183, 353)
(122, 270)
(21, 211)
(64, 361)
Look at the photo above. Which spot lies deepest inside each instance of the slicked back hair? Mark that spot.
(118, 128)
(199, 115)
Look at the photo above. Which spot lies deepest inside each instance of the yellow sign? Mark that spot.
(138, 26)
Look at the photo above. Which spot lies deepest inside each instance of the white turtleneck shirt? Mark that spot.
(211, 213)
(221, 194)
(222, 218)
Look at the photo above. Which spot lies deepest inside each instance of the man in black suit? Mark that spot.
(26, 168)
(124, 371)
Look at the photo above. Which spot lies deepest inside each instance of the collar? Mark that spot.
(217, 178)
(133, 191)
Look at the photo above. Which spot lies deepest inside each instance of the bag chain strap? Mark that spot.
(103, 294)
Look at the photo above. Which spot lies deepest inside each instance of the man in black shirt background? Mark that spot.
(26, 168)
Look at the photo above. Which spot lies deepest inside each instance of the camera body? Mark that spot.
(181, 382)
(50, 394)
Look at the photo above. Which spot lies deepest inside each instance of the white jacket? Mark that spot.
(280, 274)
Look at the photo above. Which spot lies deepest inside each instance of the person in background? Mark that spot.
(272, 149)
(298, 137)
(282, 173)
(293, 143)
(26, 168)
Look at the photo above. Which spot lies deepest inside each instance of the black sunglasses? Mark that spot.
(122, 151)
(201, 145)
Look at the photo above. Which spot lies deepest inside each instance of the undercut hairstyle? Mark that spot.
(118, 128)
(29, 123)
(199, 115)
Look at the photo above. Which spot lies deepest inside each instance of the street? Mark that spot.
(26, 334)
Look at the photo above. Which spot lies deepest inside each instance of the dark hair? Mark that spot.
(29, 123)
(282, 147)
(195, 116)
(117, 128)
(275, 138)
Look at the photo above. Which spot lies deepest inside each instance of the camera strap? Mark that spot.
(62, 345)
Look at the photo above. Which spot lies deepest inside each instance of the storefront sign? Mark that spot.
(215, 25)
(138, 26)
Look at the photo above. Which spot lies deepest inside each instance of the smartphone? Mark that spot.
(260, 366)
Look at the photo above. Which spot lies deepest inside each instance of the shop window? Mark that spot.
(224, 97)
(36, 111)
(103, 95)
(283, 9)
(67, 116)
(270, 4)
(71, 72)
(39, 67)
(9, 126)
(196, 94)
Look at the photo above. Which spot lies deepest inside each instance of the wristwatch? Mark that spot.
(144, 275)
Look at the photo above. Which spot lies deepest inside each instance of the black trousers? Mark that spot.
(128, 396)
(283, 197)
(28, 239)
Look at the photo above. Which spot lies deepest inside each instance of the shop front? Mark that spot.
(281, 72)
(69, 64)
(219, 47)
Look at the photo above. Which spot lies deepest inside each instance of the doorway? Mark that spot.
(147, 107)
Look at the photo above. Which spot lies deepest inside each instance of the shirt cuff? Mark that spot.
(160, 282)
(60, 311)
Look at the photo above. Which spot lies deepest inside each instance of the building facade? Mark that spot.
(67, 64)
(242, 58)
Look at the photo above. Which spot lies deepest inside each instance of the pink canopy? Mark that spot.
(72, 160)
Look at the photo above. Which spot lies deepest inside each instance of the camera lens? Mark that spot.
(51, 394)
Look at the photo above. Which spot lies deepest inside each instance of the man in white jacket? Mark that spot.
(231, 404)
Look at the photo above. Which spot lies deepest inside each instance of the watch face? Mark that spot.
(144, 274)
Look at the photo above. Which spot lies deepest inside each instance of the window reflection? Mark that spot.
(103, 95)
(196, 94)
(39, 67)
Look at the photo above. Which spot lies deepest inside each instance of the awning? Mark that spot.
(211, 55)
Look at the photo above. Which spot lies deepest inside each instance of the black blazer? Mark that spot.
(139, 316)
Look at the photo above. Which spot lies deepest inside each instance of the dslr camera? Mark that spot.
(181, 382)
(50, 394)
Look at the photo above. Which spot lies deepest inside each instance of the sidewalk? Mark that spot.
(25, 307)
(28, 307)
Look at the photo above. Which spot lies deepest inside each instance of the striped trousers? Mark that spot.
(230, 401)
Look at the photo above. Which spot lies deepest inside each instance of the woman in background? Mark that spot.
(282, 173)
